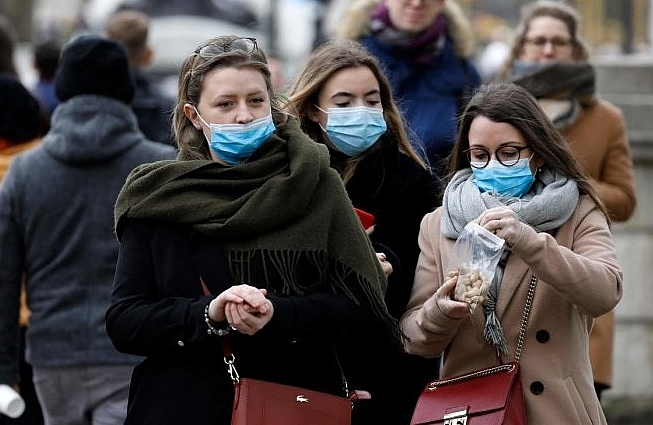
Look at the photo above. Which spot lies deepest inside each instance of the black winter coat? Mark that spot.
(398, 192)
(157, 311)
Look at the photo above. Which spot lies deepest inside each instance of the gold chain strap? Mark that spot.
(524, 320)
(507, 367)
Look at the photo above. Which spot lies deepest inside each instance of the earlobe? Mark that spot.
(312, 114)
(191, 114)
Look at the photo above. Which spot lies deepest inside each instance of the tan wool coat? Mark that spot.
(578, 279)
(599, 142)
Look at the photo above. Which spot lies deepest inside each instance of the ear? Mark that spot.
(537, 163)
(191, 114)
(313, 113)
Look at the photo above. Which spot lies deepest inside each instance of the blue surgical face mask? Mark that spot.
(234, 143)
(353, 130)
(511, 181)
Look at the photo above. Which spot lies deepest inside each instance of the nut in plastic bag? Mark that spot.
(477, 252)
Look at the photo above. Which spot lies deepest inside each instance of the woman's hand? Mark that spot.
(245, 307)
(247, 319)
(503, 222)
(444, 302)
(385, 264)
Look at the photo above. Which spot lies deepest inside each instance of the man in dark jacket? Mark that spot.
(56, 228)
(152, 107)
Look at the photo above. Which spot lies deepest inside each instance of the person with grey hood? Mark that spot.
(56, 228)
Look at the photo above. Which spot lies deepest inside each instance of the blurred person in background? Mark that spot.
(8, 40)
(549, 59)
(344, 101)
(22, 125)
(46, 61)
(56, 228)
(425, 48)
(152, 107)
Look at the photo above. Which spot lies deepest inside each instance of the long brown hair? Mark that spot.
(321, 65)
(514, 105)
(191, 141)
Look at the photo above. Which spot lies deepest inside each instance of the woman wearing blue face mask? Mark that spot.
(513, 173)
(248, 234)
(344, 101)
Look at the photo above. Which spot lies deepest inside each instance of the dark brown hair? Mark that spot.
(514, 105)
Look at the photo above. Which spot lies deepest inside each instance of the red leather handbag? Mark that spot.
(484, 397)
(268, 403)
(259, 402)
(490, 396)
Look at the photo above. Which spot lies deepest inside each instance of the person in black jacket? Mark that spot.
(152, 106)
(249, 235)
(344, 102)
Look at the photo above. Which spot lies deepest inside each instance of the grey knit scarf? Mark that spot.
(549, 203)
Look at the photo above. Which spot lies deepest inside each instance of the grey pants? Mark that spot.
(83, 395)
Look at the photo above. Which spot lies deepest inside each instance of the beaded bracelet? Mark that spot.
(210, 329)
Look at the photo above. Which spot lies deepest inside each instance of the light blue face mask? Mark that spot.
(353, 130)
(511, 181)
(234, 143)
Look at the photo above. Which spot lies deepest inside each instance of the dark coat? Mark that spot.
(398, 192)
(157, 311)
(429, 95)
(56, 229)
(153, 109)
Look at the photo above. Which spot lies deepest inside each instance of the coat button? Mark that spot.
(542, 336)
(180, 343)
(537, 387)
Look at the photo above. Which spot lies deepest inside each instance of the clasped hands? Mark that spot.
(245, 307)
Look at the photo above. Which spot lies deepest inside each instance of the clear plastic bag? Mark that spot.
(476, 255)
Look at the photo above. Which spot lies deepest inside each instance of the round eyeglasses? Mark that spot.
(506, 155)
(212, 48)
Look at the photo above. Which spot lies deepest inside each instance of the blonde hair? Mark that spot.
(191, 141)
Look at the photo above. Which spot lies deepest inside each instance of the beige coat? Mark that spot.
(598, 140)
(579, 279)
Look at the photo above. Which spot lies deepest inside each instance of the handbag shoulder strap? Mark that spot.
(230, 359)
(525, 315)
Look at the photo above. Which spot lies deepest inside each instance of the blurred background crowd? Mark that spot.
(609, 27)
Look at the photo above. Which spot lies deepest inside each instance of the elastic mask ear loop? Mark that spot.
(319, 123)
(200, 117)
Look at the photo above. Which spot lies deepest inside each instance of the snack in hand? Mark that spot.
(472, 286)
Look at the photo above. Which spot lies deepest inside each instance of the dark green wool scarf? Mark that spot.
(285, 203)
